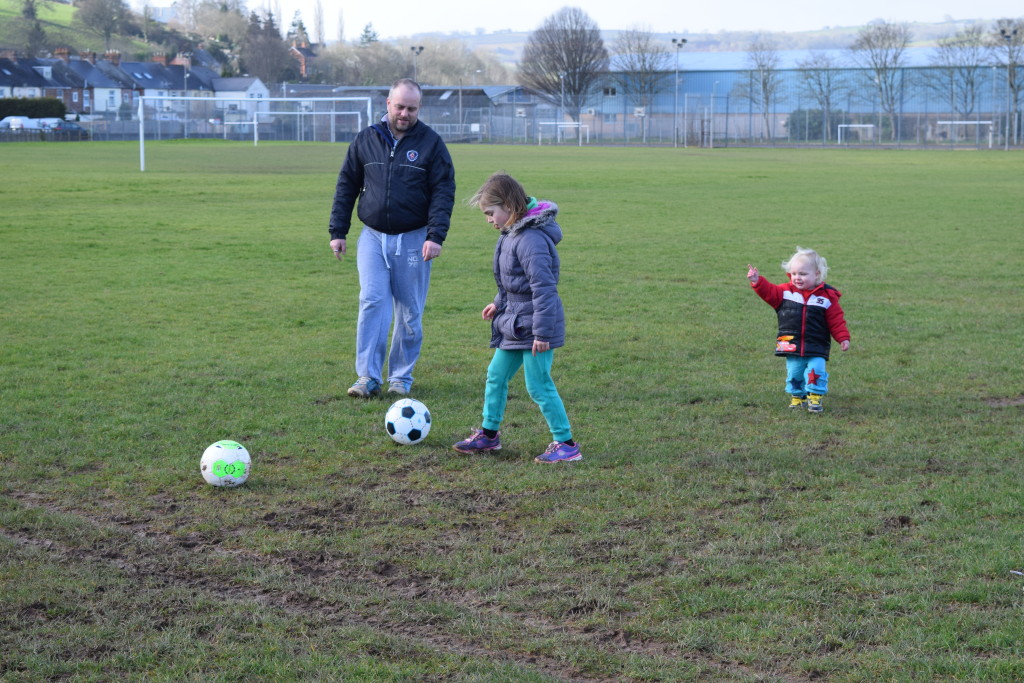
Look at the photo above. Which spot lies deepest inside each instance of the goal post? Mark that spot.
(560, 126)
(843, 126)
(977, 127)
(287, 118)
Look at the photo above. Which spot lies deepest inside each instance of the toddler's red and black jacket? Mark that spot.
(808, 320)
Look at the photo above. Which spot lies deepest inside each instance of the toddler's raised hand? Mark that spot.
(752, 274)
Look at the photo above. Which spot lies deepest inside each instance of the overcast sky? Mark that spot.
(398, 18)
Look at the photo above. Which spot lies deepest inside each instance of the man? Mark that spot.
(403, 176)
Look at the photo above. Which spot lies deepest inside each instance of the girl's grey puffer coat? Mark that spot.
(526, 270)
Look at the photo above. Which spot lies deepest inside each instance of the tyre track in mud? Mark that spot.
(159, 556)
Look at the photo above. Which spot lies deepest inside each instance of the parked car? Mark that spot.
(59, 129)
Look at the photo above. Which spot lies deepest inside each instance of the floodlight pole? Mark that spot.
(1008, 36)
(416, 51)
(679, 43)
(188, 104)
(561, 108)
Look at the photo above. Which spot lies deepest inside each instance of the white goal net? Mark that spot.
(306, 119)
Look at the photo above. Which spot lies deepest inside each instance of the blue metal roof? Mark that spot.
(788, 59)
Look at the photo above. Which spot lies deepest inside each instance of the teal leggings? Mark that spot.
(504, 365)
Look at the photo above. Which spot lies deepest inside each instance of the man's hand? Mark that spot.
(431, 250)
(752, 274)
(338, 247)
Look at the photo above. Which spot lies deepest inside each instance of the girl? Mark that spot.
(527, 320)
(809, 314)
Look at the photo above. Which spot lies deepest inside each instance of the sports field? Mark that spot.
(710, 533)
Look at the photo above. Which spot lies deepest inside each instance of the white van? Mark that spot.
(16, 124)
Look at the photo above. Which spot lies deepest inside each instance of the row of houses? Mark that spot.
(106, 87)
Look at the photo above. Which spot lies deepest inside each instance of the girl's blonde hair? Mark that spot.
(502, 190)
(816, 261)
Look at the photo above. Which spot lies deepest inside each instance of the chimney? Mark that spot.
(160, 59)
(88, 56)
(114, 57)
(63, 54)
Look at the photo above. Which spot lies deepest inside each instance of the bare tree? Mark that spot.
(185, 10)
(1008, 40)
(106, 17)
(958, 60)
(318, 22)
(224, 20)
(819, 80)
(452, 62)
(642, 63)
(373, 63)
(880, 48)
(763, 79)
(564, 59)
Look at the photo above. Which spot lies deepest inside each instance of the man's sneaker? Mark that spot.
(560, 452)
(797, 402)
(479, 442)
(365, 387)
(398, 389)
(814, 403)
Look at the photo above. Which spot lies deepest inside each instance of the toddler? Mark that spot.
(809, 318)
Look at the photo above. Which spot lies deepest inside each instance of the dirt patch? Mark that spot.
(144, 551)
(1005, 402)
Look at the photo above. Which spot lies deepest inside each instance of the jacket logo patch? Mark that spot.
(412, 155)
(798, 298)
(784, 344)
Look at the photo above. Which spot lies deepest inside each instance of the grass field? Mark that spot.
(708, 534)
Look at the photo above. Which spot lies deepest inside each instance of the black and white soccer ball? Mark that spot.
(407, 421)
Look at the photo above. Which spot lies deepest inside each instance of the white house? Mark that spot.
(240, 97)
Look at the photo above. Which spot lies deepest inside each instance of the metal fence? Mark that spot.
(700, 109)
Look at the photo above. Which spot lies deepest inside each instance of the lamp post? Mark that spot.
(1008, 36)
(561, 108)
(416, 51)
(188, 108)
(711, 118)
(678, 43)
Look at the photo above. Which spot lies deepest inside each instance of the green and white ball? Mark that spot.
(225, 463)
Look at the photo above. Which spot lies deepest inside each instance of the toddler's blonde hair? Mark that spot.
(816, 260)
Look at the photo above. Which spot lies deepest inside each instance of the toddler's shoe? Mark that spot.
(797, 402)
(478, 442)
(365, 387)
(560, 452)
(814, 403)
(398, 388)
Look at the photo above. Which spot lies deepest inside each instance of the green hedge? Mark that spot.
(33, 107)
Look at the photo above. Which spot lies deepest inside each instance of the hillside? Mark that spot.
(57, 21)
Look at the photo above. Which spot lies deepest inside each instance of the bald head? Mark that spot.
(403, 106)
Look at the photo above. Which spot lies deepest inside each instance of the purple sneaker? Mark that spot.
(560, 452)
(479, 443)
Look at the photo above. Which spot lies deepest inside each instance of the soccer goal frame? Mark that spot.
(254, 109)
(839, 137)
(977, 128)
(560, 126)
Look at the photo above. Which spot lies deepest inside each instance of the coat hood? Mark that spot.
(539, 215)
